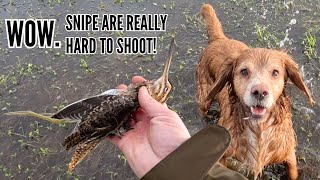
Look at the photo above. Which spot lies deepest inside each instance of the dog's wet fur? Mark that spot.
(249, 85)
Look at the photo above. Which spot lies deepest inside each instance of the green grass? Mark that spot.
(235, 2)
(6, 172)
(265, 38)
(85, 66)
(3, 79)
(29, 68)
(262, 33)
(11, 78)
(43, 151)
(310, 42)
(35, 133)
(121, 2)
(102, 6)
(54, 2)
(122, 158)
(246, 3)
(172, 5)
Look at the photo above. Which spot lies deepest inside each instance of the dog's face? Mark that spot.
(258, 78)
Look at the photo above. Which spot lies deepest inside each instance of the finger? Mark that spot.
(132, 122)
(152, 107)
(137, 80)
(115, 140)
(122, 86)
(140, 115)
(165, 104)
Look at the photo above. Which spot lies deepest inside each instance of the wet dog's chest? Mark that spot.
(259, 146)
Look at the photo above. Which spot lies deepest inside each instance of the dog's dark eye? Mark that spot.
(275, 73)
(244, 72)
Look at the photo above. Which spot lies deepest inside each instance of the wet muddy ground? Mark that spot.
(46, 80)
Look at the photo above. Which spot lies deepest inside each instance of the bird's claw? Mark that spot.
(119, 132)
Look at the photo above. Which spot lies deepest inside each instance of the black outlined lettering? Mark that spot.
(80, 45)
(69, 44)
(82, 22)
(57, 44)
(95, 26)
(134, 45)
(40, 32)
(120, 48)
(146, 22)
(14, 32)
(106, 45)
(163, 19)
(129, 22)
(68, 19)
(112, 22)
(30, 32)
(46, 29)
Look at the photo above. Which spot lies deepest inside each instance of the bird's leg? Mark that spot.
(119, 132)
(128, 127)
(42, 116)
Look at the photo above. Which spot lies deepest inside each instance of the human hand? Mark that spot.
(157, 131)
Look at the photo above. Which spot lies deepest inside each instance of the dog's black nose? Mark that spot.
(259, 92)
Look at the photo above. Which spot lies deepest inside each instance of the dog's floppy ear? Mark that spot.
(295, 76)
(224, 78)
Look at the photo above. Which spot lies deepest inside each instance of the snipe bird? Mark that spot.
(104, 115)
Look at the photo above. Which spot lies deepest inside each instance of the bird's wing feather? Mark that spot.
(110, 115)
(82, 107)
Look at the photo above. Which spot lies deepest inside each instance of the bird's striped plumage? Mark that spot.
(108, 113)
(101, 116)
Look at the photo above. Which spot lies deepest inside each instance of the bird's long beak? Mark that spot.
(165, 74)
(160, 89)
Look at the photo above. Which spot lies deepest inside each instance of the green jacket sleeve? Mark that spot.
(197, 158)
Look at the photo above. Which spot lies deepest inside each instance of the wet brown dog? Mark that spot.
(249, 85)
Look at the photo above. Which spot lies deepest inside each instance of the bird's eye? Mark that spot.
(166, 89)
(275, 73)
(244, 72)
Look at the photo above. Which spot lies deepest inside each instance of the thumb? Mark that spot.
(152, 107)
